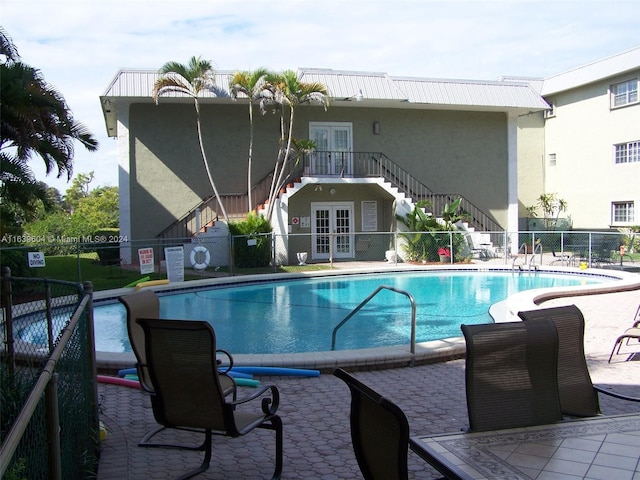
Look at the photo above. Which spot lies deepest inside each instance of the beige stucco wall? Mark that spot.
(449, 151)
(530, 161)
(582, 135)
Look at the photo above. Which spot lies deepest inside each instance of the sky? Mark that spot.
(80, 45)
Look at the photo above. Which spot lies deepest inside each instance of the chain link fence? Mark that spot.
(48, 400)
(128, 262)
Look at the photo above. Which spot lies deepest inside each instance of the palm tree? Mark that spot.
(35, 120)
(285, 90)
(250, 84)
(190, 80)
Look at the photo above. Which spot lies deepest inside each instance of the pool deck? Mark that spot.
(315, 411)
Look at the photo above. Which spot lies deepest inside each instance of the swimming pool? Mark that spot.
(287, 316)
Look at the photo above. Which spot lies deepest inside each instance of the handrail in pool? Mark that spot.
(366, 300)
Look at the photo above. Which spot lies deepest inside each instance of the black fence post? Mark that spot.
(8, 319)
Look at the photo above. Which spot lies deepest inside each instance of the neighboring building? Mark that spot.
(592, 141)
(383, 144)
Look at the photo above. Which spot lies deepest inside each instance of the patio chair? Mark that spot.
(630, 333)
(578, 395)
(188, 394)
(379, 432)
(145, 304)
(565, 258)
(511, 375)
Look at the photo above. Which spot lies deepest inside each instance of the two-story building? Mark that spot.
(383, 144)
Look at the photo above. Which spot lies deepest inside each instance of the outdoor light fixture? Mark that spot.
(376, 128)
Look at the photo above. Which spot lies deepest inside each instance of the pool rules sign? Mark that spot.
(36, 259)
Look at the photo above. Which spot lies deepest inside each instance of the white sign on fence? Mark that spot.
(36, 259)
(175, 263)
(145, 256)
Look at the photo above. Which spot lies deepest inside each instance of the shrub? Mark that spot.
(246, 254)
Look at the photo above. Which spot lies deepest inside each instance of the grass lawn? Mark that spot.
(72, 268)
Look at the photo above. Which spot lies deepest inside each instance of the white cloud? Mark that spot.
(79, 45)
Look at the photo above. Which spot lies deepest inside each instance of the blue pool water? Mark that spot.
(299, 315)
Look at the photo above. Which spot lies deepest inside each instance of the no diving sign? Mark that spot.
(36, 259)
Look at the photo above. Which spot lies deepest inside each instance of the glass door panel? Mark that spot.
(331, 231)
(333, 154)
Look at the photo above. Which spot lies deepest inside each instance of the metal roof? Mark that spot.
(592, 72)
(139, 83)
(343, 85)
(361, 89)
(470, 93)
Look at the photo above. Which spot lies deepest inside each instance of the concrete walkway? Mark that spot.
(315, 412)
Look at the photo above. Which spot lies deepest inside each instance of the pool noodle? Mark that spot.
(136, 282)
(299, 372)
(151, 283)
(129, 382)
(119, 381)
(125, 372)
(246, 382)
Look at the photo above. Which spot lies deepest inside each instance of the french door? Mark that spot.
(334, 148)
(331, 230)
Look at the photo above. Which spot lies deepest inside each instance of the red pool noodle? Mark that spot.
(119, 381)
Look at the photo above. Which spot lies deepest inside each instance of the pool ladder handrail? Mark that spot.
(536, 251)
(366, 300)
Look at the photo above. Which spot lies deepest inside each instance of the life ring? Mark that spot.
(207, 258)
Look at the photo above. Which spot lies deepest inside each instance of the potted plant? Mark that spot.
(444, 254)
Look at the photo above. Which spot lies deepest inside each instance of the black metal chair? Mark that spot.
(578, 395)
(511, 375)
(188, 394)
(146, 304)
(379, 432)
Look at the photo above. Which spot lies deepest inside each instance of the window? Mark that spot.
(627, 152)
(623, 212)
(552, 159)
(624, 93)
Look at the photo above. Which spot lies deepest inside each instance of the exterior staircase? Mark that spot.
(369, 167)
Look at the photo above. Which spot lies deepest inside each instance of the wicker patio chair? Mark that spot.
(145, 304)
(379, 432)
(188, 394)
(578, 395)
(511, 375)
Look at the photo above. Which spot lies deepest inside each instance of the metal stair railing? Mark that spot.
(360, 164)
(377, 164)
(235, 204)
(367, 300)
